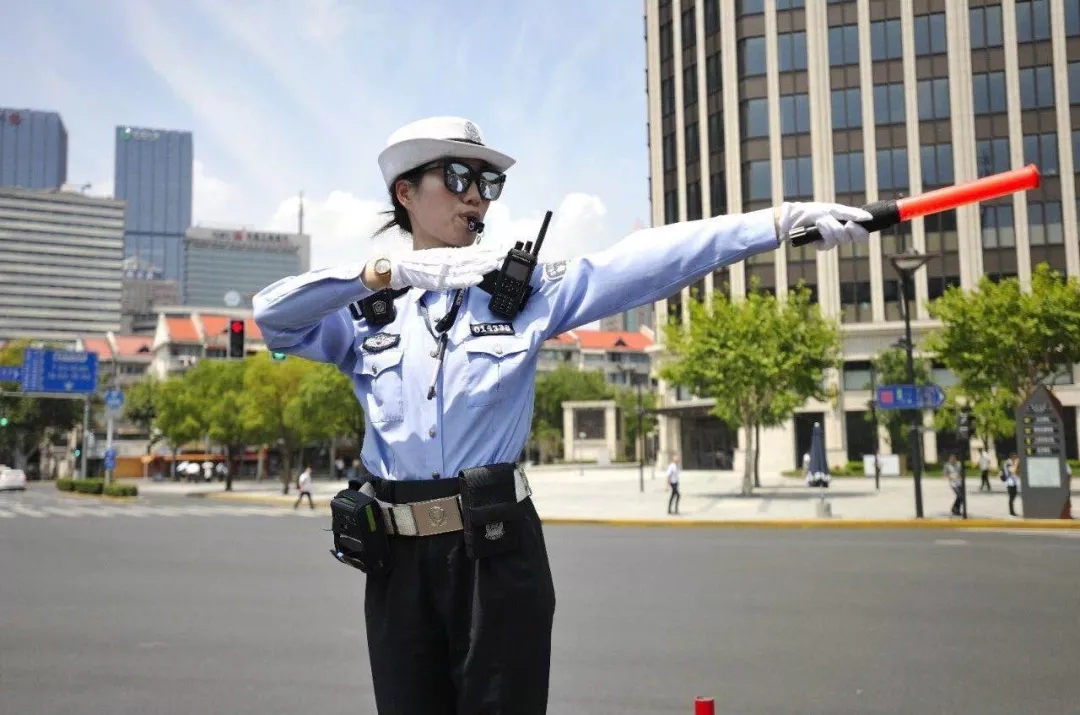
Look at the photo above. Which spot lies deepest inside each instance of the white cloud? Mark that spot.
(213, 200)
(341, 225)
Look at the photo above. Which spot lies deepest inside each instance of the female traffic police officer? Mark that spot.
(447, 386)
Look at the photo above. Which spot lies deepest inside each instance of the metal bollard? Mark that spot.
(704, 706)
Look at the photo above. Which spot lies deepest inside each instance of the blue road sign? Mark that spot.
(114, 399)
(10, 373)
(909, 397)
(61, 371)
(110, 458)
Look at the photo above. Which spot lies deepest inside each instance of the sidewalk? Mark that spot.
(611, 495)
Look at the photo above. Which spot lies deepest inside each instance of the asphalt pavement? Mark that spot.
(170, 611)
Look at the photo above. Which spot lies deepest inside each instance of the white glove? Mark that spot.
(444, 268)
(827, 218)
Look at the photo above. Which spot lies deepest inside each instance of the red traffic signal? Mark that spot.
(236, 326)
(236, 339)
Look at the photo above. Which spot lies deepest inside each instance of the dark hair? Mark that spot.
(398, 215)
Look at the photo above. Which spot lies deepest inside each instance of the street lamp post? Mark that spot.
(906, 264)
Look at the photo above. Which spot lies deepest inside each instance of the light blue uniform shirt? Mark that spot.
(483, 408)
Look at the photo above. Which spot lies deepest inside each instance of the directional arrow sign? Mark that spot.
(10, 373)
(909, 397)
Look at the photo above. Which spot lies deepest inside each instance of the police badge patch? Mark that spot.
(492, 329)
(379, 342)
(472, 133)
(555, 271)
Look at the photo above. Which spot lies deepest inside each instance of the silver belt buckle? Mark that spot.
(438, 516)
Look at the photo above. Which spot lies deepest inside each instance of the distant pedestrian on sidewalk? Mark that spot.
(303, 483)
(673, 484)
(1009, 475)
(952, 473)
(984, 470)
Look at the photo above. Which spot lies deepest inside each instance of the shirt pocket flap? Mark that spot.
(375, 363)
(497, 346)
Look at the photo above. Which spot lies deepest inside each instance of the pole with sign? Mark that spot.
(1040, 441)
(114, 405)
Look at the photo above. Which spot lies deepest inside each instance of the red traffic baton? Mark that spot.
(889, 213)
(704, 706)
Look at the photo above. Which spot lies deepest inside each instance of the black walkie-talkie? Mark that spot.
(511, 286)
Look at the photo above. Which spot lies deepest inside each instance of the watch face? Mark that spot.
(382, 266)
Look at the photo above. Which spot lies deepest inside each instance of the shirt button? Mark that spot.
(498, 350)
(435, 475)
(431, 432)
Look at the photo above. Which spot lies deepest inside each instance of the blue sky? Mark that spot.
(302, 94)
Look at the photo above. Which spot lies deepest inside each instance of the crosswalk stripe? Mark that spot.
(65, 510)
(71, 509)
(5, 514)
(27, 511)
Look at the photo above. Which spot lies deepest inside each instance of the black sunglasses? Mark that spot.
(458, 177)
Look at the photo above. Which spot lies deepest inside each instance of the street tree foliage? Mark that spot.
(139, 409)
(757, 357)
(890, 368)
(991, 413)
(325, 407)
(32, 421)
(1002, 341)
(218, 387)
(178, 415)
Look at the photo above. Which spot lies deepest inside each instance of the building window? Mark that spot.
(791, 48)
(933, 99)
(693, 142)
(1072, 18)
(849, 172)
(752, 56)
(937, 165)
(758, 181)
(844, 45)
(671, 206)
(1033, 20)
(689, 89)
(688, 28)
(755, 117)
(1074, 82)
(997, 226)
(930, 34)
(712, 16)
(794, 114)
(1044, 223)
(942, 240)
(790, 4)
(1036, 87)
(712, 72)
(718, 193)
(857, 375)
(693, 201)
(989, 92)
(669, 152)
(716, 131)
(855, 301)
(1042, 151)
(885, 42)
(889, 103)
(992, 156)
(1076, 154)
(667, 96)
(798, 178)
(847, 108)
(750, 7)
(666, 42)
(986, 27)
(892, 169)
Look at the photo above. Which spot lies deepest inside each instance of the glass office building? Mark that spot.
(154, 176)
(33, 149)
(224, 268)
(754, 102)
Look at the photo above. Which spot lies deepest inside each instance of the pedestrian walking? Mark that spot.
(952, 473)
(442, 354)
(672, 474)
(984, 470)
(1010, 469)
(303, 485)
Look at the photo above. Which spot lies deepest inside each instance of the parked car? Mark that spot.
(12, 479)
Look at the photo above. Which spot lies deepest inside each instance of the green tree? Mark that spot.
(562, 384)
(758, 358)
(890, 368)
(178, 415)
(32, 422)
(139, 408)
(270, 386)
(627, 400)
(326, 408)
(1001, 336)
(991, 413)
(218, 387)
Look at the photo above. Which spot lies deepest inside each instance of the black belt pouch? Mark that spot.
(490, 512)
(360, 538)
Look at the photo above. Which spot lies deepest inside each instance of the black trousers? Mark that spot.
(449, 635)
(958, 503)
(673, 500)
(300, 498)
(1012, 498)
(985, 480)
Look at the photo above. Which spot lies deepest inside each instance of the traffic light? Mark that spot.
(77, 452)
(236, 339)
(277, 356)
(3, 421)
(963, 424)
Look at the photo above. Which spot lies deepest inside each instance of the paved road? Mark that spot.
(249, 614)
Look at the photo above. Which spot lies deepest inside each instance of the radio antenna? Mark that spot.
(543, 232)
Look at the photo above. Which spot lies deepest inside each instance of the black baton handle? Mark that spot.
(886, 214)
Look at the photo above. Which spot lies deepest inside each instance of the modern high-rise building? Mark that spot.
(33, 149)
(224, 268)
(61, 257)
(632, 320)
(153, 175)
(753, 102)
